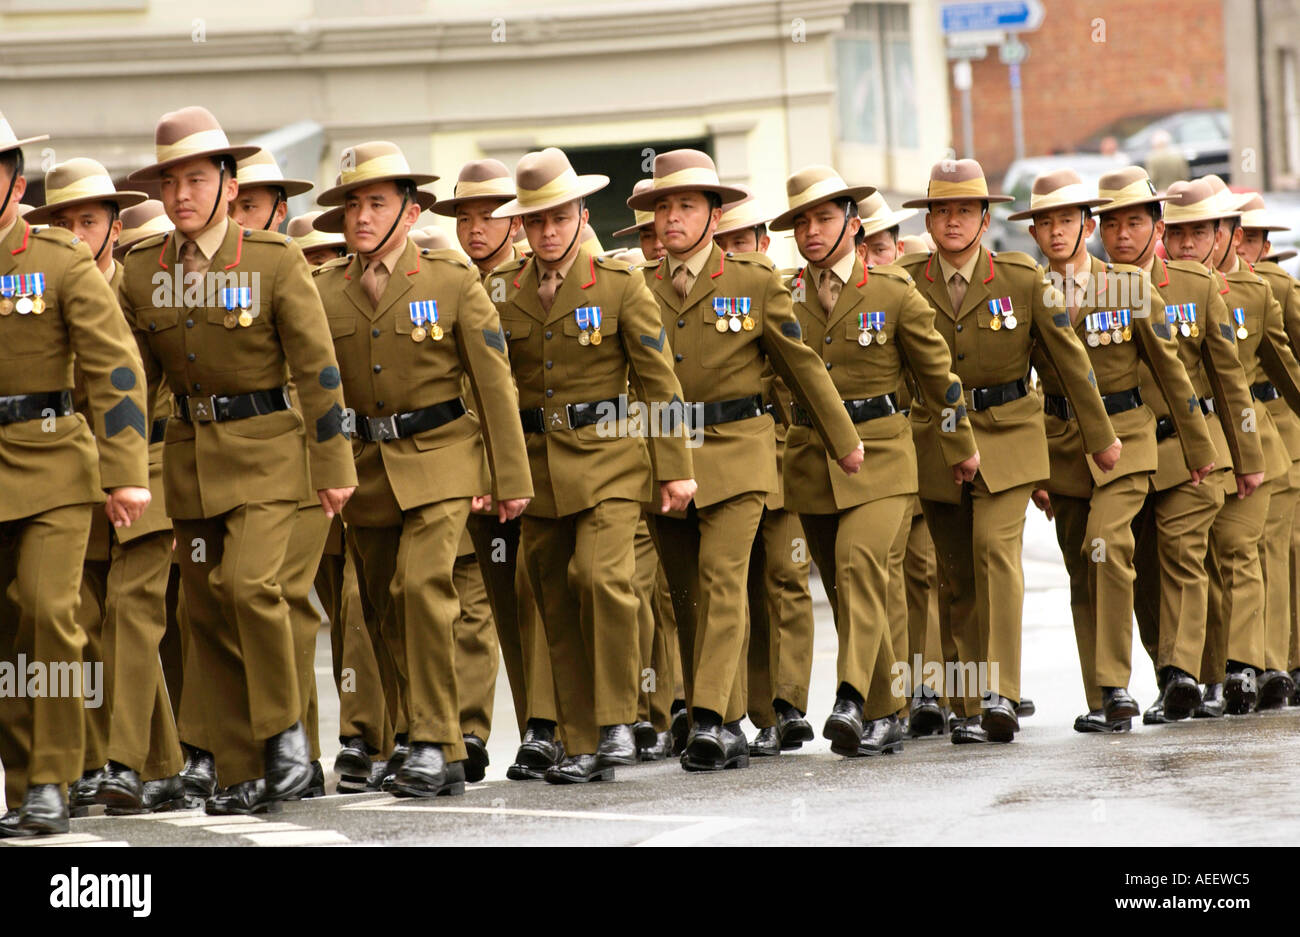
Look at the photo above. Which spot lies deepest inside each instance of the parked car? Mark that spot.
(1006, 235)
(1203, 136)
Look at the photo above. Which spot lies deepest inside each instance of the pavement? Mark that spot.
(1165, 785)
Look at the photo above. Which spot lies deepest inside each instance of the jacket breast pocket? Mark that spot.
(598, 358)
(342, 326)
(239, 347)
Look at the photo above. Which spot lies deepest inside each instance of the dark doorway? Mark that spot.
(624, 165)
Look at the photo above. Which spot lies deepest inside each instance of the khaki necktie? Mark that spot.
(549, 286)
(372, 282)
(957, 291)
(191, 260)
(828, 290)
(682, 281)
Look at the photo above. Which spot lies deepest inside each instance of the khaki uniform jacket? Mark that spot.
(777, 398)
(1153, 351)
(712, 366)
(1265, 355)
(1012, 437)
(212, 468)
(1286, 290)
(576, 469)
(1211, 362)
(84, 456)
(385, 371)
(814, 483)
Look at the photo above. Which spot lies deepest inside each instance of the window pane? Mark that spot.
(902, 94)
(858, 90)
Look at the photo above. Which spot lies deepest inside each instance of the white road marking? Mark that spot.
(296, 838)
(58, 839)
(695, 833)
(241, 828)
(204, 820)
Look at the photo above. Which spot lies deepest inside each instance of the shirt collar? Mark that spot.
(392, 256)
(4, 232)
(967, 270)
(563, 269)
(209, 241)
(842, 268)
(694, 263)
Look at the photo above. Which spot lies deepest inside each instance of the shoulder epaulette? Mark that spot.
(448, 254)
(1188, 266)
(752, 257)
(58, 235)
(258, 236)
(153, 240)
(609, 263)
(1018, 258)
(894, 271)
(332, 264)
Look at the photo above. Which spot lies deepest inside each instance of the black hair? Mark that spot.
(760, 231)
(715, 200)
(12, 160)
(1157, 210)
(224, 161)
(894, 232)
(860, 237)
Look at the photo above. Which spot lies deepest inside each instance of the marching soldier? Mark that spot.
(263, 203)
(364, 722)
(868, 325)
(1276, 686)
(732, 317)
(579, 328)
(58, 467)
(1172, 528)
(139, 743)
(911, 558)
(779, 656)
(1242, 617)
(482, 187)
(990, 309)
(1111, 307)
(238, 457)
(410, 326)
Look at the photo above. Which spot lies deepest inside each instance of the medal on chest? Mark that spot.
(237, 302)
(1239, 316)
(1003, 314)
(424, 319)
(589, 319)
(871, 328)
(31, 286)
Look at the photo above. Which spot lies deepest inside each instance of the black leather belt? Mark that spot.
(860, 411)
(565, 415)
(982, 398)
(1164, 428)
(217, 409)
(401, 425)
(1118, 402)
(727, 411)
(1264, 391)
(20, 407)
(158, 430)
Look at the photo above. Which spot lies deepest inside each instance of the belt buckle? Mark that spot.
(202, 409)
(382, 428)
(555, 416)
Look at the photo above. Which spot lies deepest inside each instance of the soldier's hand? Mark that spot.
(125, 505)
(1199, 475)
(676, 495)
(510, 508)
(1043, 502)
(965, 471)
(1108, 458)
(1246, 484)
(853, 461)
(480, 503)
(333, 499)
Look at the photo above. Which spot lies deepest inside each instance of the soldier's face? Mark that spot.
(823, 233)
(480, 234)
(190, 190)
(254, 207)
(651, 246)
(685, 220)
(1191, 241)
(746, 239)
(1057, 232)
(1254, 246)
(369, 213)
(881, 248)
(1127, 233)
(90, 223)
(954, 225)
(551, 232)
(16, 196)
(319, 255)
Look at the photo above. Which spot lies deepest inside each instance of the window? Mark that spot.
(877, 87)
(1290, 112)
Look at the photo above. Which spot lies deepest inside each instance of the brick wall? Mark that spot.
(1158, 56)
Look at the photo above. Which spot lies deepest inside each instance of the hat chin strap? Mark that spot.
(1232, 229)
(112, 216)
(496, 250)
(406, 200)
(271, 217)
(836, 246)
(9, 192)
(690, 250)
(216, 202)
(979, 232)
